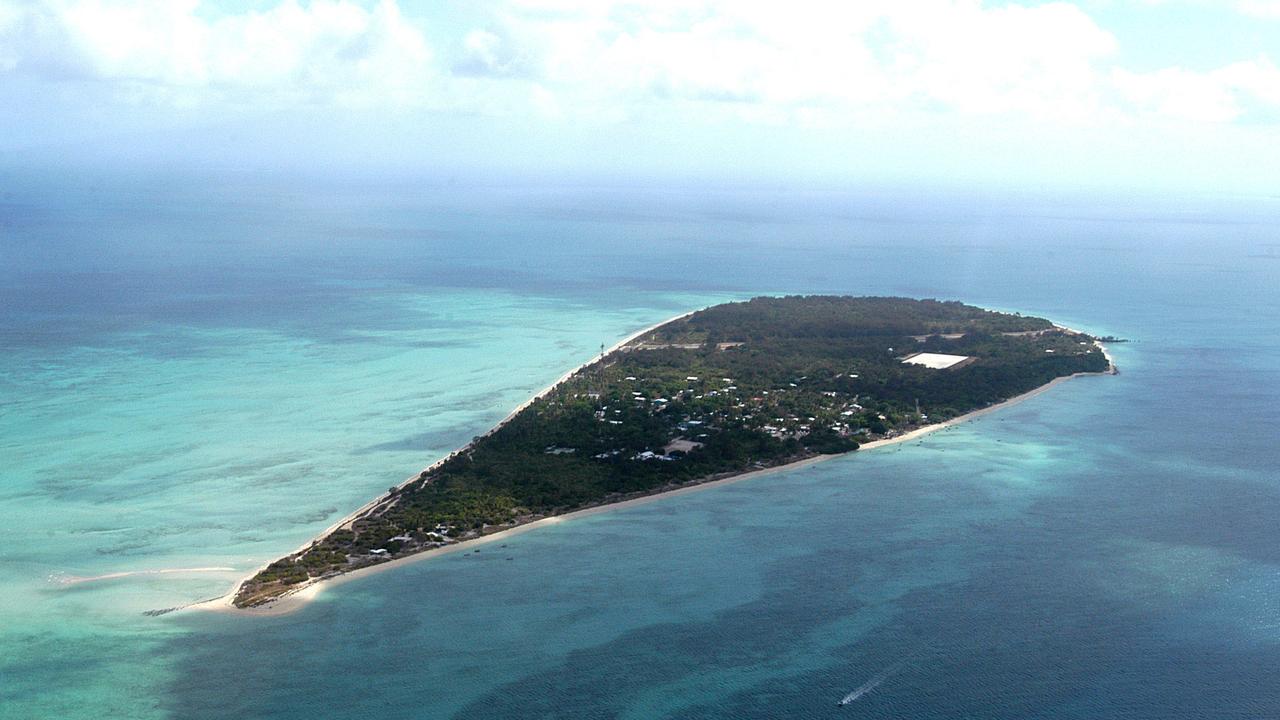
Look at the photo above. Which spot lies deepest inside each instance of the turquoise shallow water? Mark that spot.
(205, 378)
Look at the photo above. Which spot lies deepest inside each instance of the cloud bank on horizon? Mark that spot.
(1052, 89)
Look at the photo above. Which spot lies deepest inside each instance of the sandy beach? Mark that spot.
(305, 592)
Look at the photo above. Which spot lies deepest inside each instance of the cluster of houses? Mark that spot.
(845, 417)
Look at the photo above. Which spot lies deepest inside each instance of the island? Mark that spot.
(710, 395)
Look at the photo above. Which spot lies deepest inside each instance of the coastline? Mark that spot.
(220, 602)
(296, 599)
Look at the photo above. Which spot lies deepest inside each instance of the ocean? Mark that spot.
(198, 374)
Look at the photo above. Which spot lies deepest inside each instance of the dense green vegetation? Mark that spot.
(724, 390)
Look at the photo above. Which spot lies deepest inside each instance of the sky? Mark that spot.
(1091, 94)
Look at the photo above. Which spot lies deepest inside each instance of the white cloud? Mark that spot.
(805, 58)
(1216, 96)
(324, 51)
(807, 63)
(488, 54)
(1041, 61)
(1269, 9)
(870, 63)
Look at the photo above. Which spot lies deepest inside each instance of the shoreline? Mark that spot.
(297, 599)
(376, 502)
(218, 603)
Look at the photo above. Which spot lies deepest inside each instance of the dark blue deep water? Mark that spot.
(197, 376)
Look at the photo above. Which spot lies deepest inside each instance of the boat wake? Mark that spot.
(874, 682)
